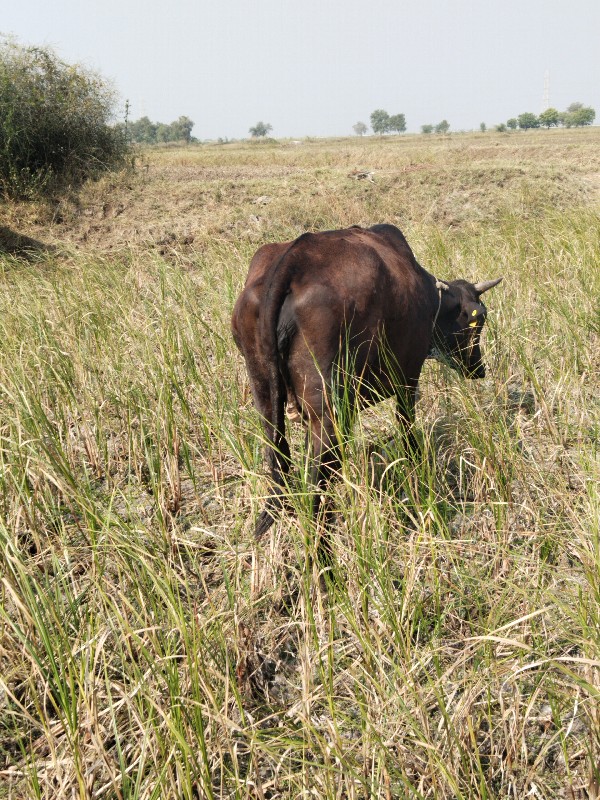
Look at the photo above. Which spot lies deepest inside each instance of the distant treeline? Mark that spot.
(576, 116)
(144, 131)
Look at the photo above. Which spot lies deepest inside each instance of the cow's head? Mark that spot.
(458, 326)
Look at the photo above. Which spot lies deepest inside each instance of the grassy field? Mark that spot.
(149, 648)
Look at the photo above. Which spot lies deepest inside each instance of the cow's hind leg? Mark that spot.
(324, 449)
(277, 449)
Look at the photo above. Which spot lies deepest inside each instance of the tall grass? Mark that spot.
(149, 648)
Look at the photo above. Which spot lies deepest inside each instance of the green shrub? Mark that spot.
(55, 120)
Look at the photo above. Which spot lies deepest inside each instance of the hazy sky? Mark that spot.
(315, 67)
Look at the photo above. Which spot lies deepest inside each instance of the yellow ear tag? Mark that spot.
(472, 324)
(474, 312)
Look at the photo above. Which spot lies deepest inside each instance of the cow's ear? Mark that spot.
(482, 287)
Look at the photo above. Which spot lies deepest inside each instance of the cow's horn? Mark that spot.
(482, 287)
(442, 285)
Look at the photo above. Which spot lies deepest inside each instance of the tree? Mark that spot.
(397, 122)
(163, 132)
(482, 127)
(501, 127)
(260, 129)
(549, 118)
(181, 130)
(142, 131)
(360, 128)
(380, 121)
(426, 128)
(512, 124)
(55, 123)
(583, 116)
(577, 115)
(564, 118)
(528, 120)
(442, 127)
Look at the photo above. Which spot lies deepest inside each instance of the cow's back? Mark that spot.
(356, 290)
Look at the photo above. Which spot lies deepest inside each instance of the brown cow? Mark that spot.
(346, 312)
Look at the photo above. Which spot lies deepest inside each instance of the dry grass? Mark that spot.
(148, 648)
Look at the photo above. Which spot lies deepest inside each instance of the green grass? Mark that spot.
(149, 648)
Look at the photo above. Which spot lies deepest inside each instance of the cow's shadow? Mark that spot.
(425, 481)
(21, 246)
(434, 482)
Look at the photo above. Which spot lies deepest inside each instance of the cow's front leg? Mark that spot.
(405, 414)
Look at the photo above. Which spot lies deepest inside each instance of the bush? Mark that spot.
(55, 126)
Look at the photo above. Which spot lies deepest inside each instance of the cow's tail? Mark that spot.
(278, 450)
